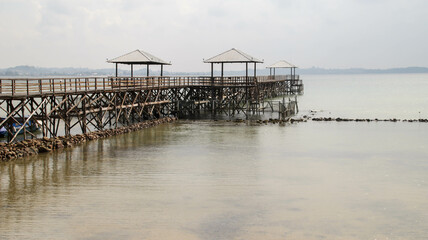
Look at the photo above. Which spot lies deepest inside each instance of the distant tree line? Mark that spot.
(31, 71)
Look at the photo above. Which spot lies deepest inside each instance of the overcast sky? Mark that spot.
(320, 33)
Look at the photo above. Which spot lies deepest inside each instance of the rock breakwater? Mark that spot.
(271, 120)
(329, 119)
(30, 147)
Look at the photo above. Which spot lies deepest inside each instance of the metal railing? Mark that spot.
(43, 86)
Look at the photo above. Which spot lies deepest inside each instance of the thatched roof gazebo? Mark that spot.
(233, 56)
(282, 64)
(138, 57)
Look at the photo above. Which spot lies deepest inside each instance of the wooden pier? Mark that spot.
(96, 103)
(81, 105)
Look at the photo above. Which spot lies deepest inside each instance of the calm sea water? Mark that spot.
(223, 180)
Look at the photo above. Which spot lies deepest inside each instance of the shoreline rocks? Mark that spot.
(329, 119)
(31, 147)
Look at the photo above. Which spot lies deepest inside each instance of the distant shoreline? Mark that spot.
(32, 71)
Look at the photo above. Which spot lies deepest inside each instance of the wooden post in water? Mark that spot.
(212, 89)
(66, 117)
(84, 116)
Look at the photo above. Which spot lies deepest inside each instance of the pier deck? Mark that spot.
(97, 103)
(29, 87)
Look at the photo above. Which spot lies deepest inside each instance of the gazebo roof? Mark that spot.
(282, 64)
(233, 56)
(138, 57)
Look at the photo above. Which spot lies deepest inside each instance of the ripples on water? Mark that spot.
(222, 180)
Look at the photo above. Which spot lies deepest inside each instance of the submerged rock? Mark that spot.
(43, 149)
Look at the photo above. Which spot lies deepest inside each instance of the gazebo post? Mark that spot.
(246, 80)
(116, 69)
(274, 73)
(212, 88)
(255, 70)
(222, 71)
(161, 70)
(148, 70)
(132, 70)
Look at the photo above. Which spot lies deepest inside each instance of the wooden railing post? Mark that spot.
(13, 87)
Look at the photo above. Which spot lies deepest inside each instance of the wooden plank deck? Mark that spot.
(19, 88)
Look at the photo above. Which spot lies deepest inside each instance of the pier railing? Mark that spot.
(292, 77)
(275, 78)
(45, 86)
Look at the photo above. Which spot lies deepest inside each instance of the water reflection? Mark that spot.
(219, 180)
(27, 180)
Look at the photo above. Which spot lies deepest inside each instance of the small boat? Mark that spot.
(30, 126)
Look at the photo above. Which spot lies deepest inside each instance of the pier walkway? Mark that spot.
(97, 103)
(17, 88)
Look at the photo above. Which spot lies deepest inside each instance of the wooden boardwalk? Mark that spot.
(96, 103)
(16, 88)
